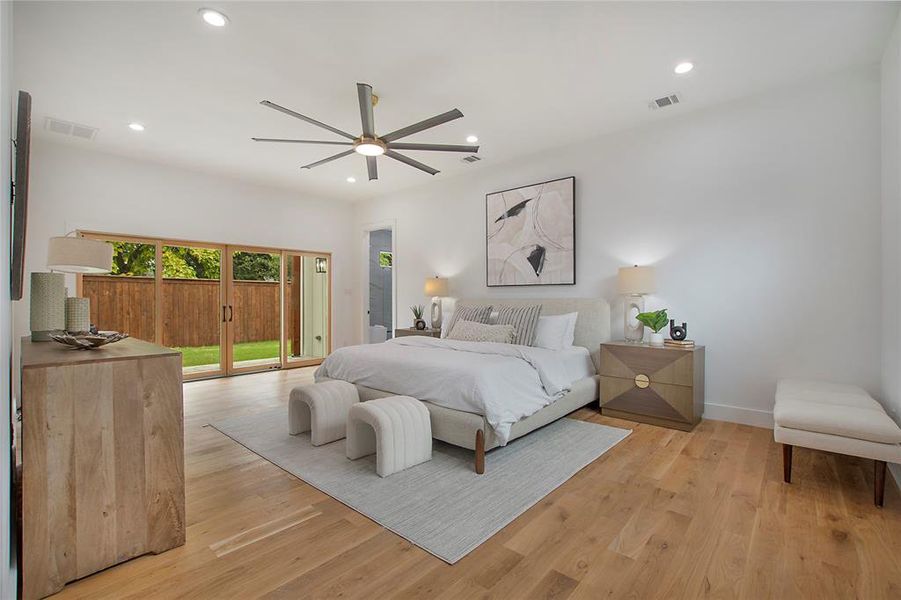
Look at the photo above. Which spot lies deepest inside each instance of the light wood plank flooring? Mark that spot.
(664, 514)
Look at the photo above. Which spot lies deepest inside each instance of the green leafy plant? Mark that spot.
(418, 311)
(656, 320)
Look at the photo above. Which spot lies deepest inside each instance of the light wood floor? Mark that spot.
(664, 514)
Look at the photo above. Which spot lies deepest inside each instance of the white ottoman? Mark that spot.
(321, 407)
(397, 429)
(835, 418)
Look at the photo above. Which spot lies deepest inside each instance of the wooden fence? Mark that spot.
(192, 311)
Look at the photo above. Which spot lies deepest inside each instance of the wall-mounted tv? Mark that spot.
(20, 196)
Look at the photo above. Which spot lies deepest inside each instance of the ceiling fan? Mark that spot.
(368, 143)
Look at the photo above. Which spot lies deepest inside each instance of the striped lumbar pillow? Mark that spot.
(524, 320)
(477, 314)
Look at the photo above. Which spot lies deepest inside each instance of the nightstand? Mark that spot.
(649, 384)
(436, 333)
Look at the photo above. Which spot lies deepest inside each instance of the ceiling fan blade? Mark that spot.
(302, 141)
(329, 159)
(435, 147)
(423, 125)
(297, 115)
(409, 161)
(364, 92)
(372, 168)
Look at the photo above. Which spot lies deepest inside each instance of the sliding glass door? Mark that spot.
(227, 309)
(254, 309)
(307, 307)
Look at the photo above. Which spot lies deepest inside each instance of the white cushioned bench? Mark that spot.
(322, 408)
(835, 418)
(397, 429)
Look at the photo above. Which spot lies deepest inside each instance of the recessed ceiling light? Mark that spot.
(213, 17)
(683, 68)
(136, 127)
(472, 139)
(351, 180)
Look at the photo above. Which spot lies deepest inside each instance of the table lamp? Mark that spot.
(436, 287)
(634, 283)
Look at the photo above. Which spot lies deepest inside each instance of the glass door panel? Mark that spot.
(307, 303)
(254, 310)
(125, 299)
(193, 309)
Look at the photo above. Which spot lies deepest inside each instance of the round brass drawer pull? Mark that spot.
(642, 381)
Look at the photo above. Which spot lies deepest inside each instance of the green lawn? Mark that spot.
(209, 355)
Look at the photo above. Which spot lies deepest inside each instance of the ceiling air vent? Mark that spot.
(664, 101)
(471, 158)
(68, 128)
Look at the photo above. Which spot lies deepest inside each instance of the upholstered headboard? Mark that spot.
(592, 326)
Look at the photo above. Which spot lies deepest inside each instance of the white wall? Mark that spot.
(75, 188)
(891, 227)
(761, 216)
(7, 93)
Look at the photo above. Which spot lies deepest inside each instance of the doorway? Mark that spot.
(381, 278)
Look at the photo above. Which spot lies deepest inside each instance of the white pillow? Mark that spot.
(556, 332)
(446, 319)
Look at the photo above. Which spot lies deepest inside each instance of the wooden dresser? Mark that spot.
(648, 384)
(102, 447)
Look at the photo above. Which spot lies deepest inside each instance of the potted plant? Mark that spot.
(656, 320)
(418, 321)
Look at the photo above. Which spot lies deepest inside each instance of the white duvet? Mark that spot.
(503, 382)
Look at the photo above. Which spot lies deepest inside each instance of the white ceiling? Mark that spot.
(528, 76)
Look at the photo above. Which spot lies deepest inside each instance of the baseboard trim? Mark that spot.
(895, 470)
(737, 414)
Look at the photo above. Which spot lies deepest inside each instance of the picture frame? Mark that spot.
(530, 234)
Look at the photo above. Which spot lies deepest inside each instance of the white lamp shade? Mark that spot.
(79, 255)
(636, 280)
(436, 286)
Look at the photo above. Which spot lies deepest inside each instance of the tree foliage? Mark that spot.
(139, 260)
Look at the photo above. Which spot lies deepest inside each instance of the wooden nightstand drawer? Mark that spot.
(401, 332)
(663, 365)
(671, 403)
(661, 386)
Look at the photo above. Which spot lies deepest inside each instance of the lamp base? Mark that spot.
(436, 313)
(633, 330)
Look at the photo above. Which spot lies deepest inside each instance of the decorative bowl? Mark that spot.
(85, 340)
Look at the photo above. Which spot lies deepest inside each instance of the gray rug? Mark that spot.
(442, 506)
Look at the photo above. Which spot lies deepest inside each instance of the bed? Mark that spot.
(381, 370)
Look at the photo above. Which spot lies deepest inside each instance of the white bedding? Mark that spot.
(503, 382)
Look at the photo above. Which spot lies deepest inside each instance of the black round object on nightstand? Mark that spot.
(676, 332)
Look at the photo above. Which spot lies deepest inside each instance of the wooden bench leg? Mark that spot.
(480, 452)
(879, 492)
(787, 462)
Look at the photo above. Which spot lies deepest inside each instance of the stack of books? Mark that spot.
(687, 344)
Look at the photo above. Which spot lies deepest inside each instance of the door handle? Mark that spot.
(231, 313)
(224, 320)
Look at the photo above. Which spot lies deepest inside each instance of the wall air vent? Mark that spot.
(471, 158)
(68, 128)
(664, 101)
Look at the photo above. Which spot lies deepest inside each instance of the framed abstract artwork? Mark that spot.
(531, 234)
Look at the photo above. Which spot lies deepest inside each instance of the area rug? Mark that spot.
(442, 506)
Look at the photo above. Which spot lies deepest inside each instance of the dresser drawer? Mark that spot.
(667, 402)
(672, 366)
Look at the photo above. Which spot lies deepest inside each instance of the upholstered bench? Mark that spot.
(322, 408)
(397, 429)
(835, 418)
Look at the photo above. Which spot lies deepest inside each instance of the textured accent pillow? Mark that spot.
(470, 331)
(524, 320)
(477, 314)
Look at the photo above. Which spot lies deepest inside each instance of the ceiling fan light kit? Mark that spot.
(368, 143)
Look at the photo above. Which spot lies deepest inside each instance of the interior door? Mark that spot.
(253, 310)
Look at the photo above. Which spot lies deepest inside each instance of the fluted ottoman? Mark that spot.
(397, 429)
(322, 408)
